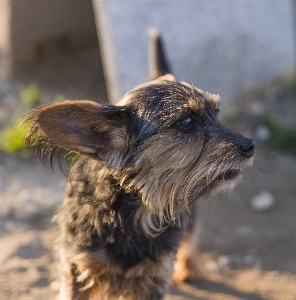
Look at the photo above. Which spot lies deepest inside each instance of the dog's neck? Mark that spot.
(99, 214)
(91, 182)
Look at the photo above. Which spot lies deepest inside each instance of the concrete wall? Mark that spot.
(223, 46)
(5, 12)
(33, 30)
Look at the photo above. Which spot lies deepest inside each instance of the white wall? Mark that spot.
(223, 46)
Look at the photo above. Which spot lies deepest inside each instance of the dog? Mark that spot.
(142, 165)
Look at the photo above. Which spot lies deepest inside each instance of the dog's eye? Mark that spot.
(186, 122)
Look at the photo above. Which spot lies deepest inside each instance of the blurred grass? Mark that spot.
(280, 138)
(292, 85)
(30, 96)
(12, 137)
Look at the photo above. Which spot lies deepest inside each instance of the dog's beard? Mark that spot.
(168, 193)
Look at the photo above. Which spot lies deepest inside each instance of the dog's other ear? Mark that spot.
(159, 67)
(213, 100)
(81, 126)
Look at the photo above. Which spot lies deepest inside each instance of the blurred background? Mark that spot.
(244, 50)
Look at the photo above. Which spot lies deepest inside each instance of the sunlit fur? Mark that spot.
(174, 168)
(142, 166)
(100, 281)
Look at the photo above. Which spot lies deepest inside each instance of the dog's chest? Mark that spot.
(91, 225)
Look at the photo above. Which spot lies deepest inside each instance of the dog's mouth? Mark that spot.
(229, 175)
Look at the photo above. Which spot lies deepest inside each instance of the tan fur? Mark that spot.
(143, 165)
(102, 281)
(175, 188)
(186, 265)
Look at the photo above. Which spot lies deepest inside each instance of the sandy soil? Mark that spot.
(245, 254)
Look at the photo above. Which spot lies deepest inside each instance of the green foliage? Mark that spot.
(293, 85)
(59, 98)
(281, 139)
(31, 95)
(12, 138)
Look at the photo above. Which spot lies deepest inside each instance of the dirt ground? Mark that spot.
(246, 252)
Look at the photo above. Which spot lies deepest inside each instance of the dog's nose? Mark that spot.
(247, 147)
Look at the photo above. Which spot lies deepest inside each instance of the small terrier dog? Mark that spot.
(143, 163)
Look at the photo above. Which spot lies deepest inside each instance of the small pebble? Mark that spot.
(27, 205)
(224, 261)
(212, 266)
(55, 285)
(244, 230)
(262, 133)
(257, 108)
(262, 202)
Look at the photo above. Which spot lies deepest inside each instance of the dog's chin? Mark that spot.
(226, 181)
(230, 175)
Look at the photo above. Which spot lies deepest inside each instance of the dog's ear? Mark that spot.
(158, 65)
(81, 126)
(213, 100)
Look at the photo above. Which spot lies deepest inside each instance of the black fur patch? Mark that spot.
(108, 221)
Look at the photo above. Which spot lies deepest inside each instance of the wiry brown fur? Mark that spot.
(192, 175)
(96, 279)
(141, 166)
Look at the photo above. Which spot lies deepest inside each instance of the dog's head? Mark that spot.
(163, 141)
